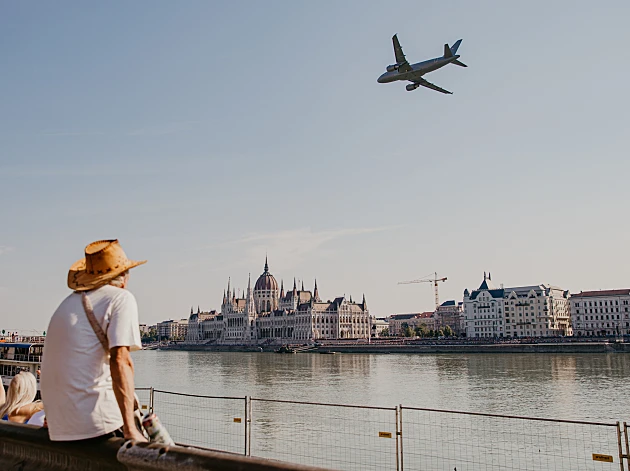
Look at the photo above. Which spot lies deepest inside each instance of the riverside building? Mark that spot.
(523, 311)
(398, 322)
(172, 330)
(266, 314)
(450, 313)
(597, 313)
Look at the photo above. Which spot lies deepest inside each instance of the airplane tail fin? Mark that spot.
(451, 51)
(455, 46)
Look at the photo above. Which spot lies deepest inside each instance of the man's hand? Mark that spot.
(135, 435)
(121, 368)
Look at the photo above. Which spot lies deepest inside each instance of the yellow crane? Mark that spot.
(428, 279)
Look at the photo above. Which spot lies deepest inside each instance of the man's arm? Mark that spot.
(121, 367)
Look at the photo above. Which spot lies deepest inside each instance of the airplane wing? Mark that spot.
(400, 55)
(428, 84)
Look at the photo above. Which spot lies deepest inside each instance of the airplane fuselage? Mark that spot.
(417, 70)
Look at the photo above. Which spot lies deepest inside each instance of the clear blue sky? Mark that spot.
(204, 135)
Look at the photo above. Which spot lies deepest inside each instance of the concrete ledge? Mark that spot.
(147, 457)
(28, 448)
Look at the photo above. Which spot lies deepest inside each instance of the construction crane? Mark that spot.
(427, 279)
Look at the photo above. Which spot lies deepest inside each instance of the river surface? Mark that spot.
(564, 386)
(586, 387)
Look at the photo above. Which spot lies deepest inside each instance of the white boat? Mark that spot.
(16, 357)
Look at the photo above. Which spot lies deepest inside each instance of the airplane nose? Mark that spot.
(380, 79)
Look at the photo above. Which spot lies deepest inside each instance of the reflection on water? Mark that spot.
(582, 386)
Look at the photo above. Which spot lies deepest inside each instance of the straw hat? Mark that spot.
(104, 260)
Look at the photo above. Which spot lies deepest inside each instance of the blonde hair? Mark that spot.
(3, 397)
(120, 280)
(22, 391)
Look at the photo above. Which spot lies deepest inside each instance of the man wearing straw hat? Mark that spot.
(87, 380)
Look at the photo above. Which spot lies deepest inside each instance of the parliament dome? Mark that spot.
(266, 281)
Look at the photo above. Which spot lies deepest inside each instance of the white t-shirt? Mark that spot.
(37, 419)
(76, 383)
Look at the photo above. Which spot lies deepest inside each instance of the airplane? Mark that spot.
(402, 70)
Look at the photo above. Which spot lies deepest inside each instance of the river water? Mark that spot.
(589, 387)
(564, 386)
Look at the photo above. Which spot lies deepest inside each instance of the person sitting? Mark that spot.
(87, 377)
(19, 406)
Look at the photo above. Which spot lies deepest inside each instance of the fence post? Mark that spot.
(249, 433)
(246, 427)
(620, 447)
(151, 400)
(625, 435)
(399, 438)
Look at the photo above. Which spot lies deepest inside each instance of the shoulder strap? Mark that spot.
(98, 330)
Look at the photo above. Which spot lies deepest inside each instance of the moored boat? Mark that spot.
(285, 349)
(16, 357)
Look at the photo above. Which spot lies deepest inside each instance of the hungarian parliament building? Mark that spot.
(268, 314)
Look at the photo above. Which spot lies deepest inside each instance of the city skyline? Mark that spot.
(135, 121)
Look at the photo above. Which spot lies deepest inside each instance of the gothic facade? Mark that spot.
(266, 314)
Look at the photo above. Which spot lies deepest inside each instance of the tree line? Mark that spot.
(424, 332)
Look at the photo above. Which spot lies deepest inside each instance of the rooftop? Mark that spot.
(414, 315)
(603, 292)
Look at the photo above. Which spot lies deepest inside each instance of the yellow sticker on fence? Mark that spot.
(145, 407)
(237, 420)
(385, 434)
(604, 458)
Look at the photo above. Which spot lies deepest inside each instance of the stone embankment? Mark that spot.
(543, 347)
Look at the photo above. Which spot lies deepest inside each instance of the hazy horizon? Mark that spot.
(205, 136)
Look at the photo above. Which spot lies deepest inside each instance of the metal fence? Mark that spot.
(350, 437)
(330, 435)
(439, 439)
(218, 423)
(145, 397)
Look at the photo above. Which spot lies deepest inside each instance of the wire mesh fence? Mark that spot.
(218, 423)
(328, 435)
(144, 397)
(451, 440)
(351, 437)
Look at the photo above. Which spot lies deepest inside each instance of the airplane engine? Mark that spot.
(411, 87)
(391, 68)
